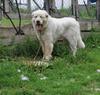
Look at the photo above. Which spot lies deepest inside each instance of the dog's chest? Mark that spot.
(47, 36)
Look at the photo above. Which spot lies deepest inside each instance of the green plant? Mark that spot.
(6, 22)
(28, 47)
(93, 41)
(88, 14)
(66, 75)
(61, 49)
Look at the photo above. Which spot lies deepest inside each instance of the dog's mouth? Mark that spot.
(39, 27)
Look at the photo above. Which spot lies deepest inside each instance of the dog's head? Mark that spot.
(40, 20)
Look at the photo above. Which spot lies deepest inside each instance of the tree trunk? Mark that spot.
(75, 8)
(6, 5)
(0, 11)
(98, 10)
(49, 5)
(62, 5)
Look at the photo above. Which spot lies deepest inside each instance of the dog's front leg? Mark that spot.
(48, 48)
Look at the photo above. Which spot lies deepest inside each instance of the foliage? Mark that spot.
(93, 41)
(6, 22)
(65, 12)
(29, 47)
(23, 10)
(65, 75)
(84, 13)
(89, 13)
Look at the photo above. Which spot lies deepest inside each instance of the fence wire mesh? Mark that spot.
(62, 8)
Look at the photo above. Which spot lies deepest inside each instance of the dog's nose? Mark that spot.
(38, 22)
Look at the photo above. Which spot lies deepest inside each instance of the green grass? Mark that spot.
(6, 22)
(83, 12)
(66, 75)
(88, 14)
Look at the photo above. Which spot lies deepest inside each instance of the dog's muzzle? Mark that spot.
(39, 26)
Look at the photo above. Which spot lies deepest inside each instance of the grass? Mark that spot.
(90, 14)
(65, 12)
(64, 76)
(6, 22)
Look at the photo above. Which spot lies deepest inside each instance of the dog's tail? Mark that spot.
(80, 43)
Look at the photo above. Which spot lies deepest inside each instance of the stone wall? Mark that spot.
(8, 37)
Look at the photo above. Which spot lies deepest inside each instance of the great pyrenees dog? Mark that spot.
(48, 30)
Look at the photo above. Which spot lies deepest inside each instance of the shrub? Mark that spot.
(29, 48)
(61, 49)
(93, 41)
(6, 51)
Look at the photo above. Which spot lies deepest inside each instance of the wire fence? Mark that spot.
(21, 10)
(62, 8)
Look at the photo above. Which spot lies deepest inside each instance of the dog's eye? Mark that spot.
(46, 16)
(41, 17)
(35, 16)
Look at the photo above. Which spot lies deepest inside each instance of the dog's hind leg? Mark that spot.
(72, 42)
(80, 43)
(73, 45)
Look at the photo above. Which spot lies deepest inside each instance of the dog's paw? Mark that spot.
(47, 58)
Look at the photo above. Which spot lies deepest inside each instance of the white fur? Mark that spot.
(53, 29)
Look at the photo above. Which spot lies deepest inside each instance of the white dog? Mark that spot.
(49, 30)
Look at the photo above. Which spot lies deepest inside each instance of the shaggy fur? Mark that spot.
(49, 30)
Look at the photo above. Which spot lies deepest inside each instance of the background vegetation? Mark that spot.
(6, 22)
(65, 75)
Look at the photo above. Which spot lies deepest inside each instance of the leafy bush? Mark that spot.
(29, 48)
(61, 49)
(65, 12)
(6, 51)
(93, 41)
(88, 14)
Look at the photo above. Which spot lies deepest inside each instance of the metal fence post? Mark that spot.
(98, 10)
(29, 5)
